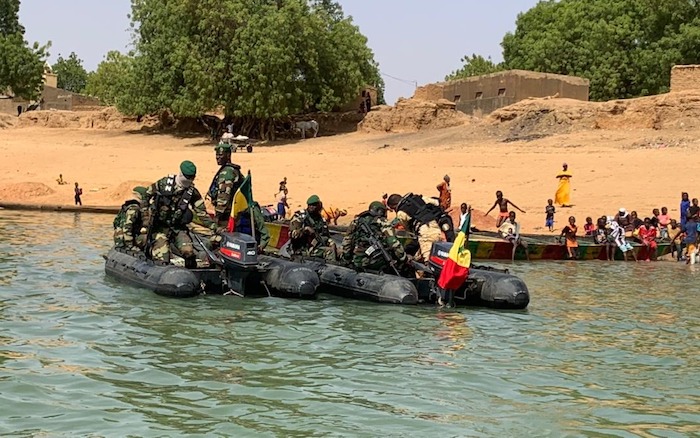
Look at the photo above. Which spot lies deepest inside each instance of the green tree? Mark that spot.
(626, 48)
(72, 76)
(474, 65)
(21, 66)
(261, 60)
(112, 80)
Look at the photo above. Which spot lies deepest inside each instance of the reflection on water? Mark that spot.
(605, 349)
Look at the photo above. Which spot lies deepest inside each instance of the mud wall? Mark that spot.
(685, 77)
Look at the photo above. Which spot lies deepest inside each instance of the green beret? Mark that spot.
(140, 190)
(313, 199)
(222, 147)
(188, 168)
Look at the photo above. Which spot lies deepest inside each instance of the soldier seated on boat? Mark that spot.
(423, 217)
(129, 222)
(368, 230)
(173, 202)
(309, 234)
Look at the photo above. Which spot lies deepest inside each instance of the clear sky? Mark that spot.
(416, 41)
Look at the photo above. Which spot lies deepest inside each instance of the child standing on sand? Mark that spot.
(549, 210)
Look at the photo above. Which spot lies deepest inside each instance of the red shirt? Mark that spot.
(647, 235)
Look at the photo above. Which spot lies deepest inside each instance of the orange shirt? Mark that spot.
(570, 235)
(445, 195)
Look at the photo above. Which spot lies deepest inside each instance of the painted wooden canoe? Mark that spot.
(488, 246)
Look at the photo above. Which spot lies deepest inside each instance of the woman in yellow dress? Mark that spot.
(563, 195)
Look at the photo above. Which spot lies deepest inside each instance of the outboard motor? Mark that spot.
(439, 252)
(240, 255)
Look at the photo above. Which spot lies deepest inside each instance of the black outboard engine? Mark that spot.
(439, 252)
(240, 255)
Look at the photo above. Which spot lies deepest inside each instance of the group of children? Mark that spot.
(613, 231)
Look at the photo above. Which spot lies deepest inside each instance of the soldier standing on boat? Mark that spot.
(224, 185)
(367, 230)
(423, 217)
(308, 232)
(129, 222)
(173, 202)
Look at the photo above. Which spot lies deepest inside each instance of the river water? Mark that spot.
(604, 349)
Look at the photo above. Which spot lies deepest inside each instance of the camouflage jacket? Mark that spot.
(176, 206)
(301, 238)
(224, 185)
(127, 225)
(358, 249)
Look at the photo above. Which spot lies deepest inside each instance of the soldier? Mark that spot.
(309, 233)
(358, 248)
(128, 223)
(173, 201)
(225, 184)
(243, 225)
(423, 217)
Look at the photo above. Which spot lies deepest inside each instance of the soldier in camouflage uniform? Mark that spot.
(359, 251)
(225, 184)
(174, 201)
(128, 223)
(308, 232)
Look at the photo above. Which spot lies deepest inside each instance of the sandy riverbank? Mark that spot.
(636, 168)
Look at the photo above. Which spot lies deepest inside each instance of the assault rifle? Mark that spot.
(153, 212)
(377, 244)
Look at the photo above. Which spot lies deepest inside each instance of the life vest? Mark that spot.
(175, 211)
(422, 213)
(213, 191)
(120, 220)
(362, 238)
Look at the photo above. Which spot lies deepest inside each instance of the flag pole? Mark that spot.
(250, 208)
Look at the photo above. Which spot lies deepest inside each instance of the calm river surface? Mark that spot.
(605, 349)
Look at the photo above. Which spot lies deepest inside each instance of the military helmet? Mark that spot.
(377, 208)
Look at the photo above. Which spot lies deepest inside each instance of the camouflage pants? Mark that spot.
(126, 242)
(328, 253)
(365, 262)
(160, 251)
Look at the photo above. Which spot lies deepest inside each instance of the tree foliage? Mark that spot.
(261, 60)
(21, 65)
(626, 48)
(72, 76)
(475, 65)
(112, 79)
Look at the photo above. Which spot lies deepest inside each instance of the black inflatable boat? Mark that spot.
(485, 287)
(236, 269)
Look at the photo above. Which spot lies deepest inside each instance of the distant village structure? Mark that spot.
(685, 77)
(51, 97)
(480, 95)
(368, 95)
